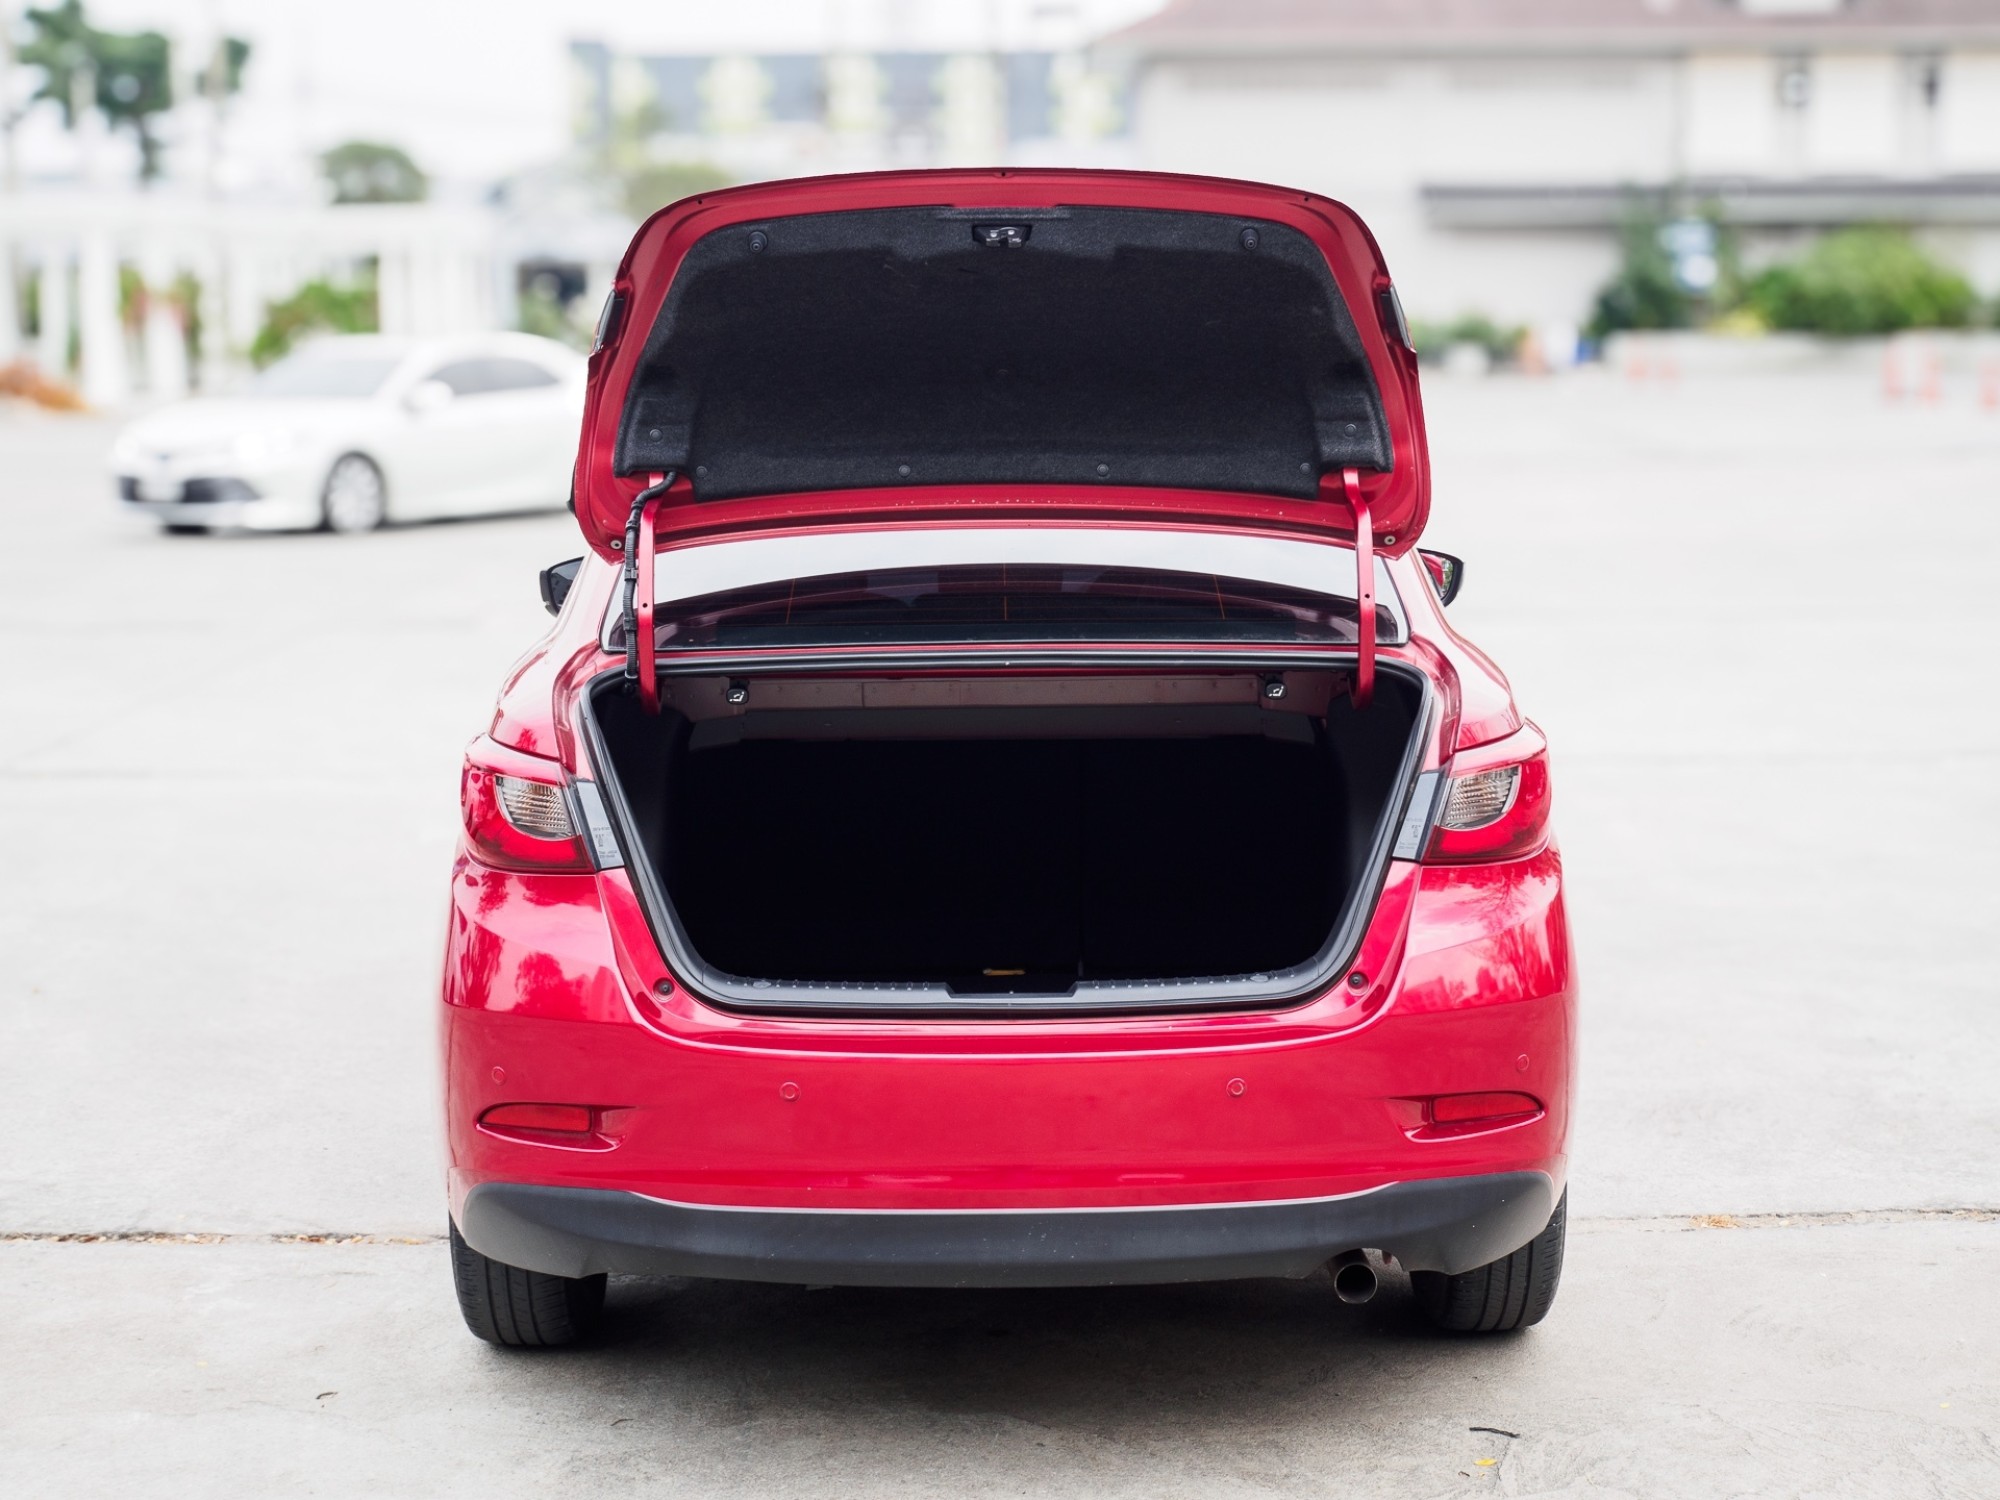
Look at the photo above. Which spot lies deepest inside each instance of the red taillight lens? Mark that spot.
(1489, 1109)
(1496, 802)
(516, 816)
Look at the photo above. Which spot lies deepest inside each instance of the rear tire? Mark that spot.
(1515, 1291)
(504, 1304)
(182, 528)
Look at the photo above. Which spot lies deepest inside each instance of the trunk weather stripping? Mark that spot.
(1406, 815)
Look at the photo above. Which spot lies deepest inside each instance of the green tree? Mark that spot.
(61, 46)
(127, 76)
(223, 73)
(1644, 292)
(371, 172)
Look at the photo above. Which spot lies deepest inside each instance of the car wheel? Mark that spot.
(355, 498)
(180, 528)
(504, 1304)
(1515, 1291)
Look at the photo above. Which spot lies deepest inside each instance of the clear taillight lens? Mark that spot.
(1496, 802)
(1479, 800)
(516, 817)
(534, 807)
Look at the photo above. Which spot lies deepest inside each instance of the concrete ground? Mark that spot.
(1758, 620)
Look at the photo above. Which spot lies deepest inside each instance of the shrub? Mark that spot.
(317, 306)
(1866, 280)
(1432, 339)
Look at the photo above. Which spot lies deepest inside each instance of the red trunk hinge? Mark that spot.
(640, 672)
(1364, 586)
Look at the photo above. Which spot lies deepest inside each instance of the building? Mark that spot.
(780, 114)
(1496, 146)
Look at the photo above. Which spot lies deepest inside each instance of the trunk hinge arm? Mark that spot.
(1364, 587)
(640, 673)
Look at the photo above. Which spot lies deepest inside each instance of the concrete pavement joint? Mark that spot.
(1652, 1223)
(168, 1237)
(1831, 1219)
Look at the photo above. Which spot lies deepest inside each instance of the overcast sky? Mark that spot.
(473, 88)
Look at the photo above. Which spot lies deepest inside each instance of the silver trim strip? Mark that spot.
(604, 848)
(1417, 818)
(1099, 1208)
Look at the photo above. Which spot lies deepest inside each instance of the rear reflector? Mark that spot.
(563, 1119)
(1463, 1109)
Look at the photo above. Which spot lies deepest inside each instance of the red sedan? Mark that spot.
(1001, 803)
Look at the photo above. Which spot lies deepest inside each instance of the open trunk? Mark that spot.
(1114, 841)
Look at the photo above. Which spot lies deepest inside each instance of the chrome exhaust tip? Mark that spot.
(1353, 1278)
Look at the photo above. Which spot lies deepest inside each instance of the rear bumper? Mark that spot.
(1443, 1224)
(973, 1123)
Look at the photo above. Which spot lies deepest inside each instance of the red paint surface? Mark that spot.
(1469, 966)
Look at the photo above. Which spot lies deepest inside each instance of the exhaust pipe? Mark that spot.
(1353, 1278)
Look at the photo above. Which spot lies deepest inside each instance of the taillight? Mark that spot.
(516, 815)
(1496, 802)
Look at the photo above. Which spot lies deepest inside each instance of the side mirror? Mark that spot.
(556, 581)
(1447, 573)
(427, 396)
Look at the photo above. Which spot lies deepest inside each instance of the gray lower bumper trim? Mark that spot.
(1441, 1224)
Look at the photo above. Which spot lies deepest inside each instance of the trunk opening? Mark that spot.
(1085, 842)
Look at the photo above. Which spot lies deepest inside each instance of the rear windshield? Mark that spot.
(1007, 602)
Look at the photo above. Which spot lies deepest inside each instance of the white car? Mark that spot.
(351, 431)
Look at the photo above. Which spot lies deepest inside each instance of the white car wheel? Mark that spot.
(355, 499)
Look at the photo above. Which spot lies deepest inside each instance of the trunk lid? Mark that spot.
(967, 346)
